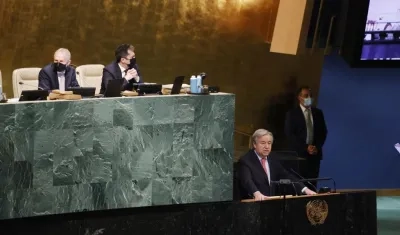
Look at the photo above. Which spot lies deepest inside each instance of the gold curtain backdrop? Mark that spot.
(228, 39)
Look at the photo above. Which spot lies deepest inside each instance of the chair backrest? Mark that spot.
(90, 75)
(28, 76)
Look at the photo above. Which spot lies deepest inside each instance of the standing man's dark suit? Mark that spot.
(296, 132)
(113, 71)
(48, 78)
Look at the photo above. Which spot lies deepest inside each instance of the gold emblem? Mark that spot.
(317, 211)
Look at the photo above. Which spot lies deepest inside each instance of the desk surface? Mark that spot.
(15, 101)
(290, 197)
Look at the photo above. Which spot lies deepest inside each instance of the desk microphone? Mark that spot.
(37, 87)
(301, 177)
(304, 180)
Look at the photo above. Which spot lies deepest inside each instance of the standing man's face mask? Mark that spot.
(308, 102)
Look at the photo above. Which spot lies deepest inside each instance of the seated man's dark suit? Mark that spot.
(48, 78)
(113, 71)
(296, 132)
(253, 178)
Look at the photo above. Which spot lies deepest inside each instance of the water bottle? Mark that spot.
(199, 85)
(1, 92)
(193, 84)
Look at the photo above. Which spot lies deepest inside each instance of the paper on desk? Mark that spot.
(397, 146)
(169, 86)
(13, 100)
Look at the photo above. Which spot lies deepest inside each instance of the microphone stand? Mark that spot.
(282, 183)
(283, 230)
(83, 81)
(294, 188)
(320, 179)
(301, 177)
(303, 180)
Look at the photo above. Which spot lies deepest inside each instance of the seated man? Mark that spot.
(124, 67)
(257, 169)
(58, 75)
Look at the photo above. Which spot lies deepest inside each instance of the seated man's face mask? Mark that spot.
(59, 67)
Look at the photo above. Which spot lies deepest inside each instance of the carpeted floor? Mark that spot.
(388, 215)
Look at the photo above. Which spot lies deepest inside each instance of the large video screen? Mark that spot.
(382, 31)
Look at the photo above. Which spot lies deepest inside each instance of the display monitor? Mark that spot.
(382, 31)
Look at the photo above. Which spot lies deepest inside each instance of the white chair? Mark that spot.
(90, 75)
(25, 79)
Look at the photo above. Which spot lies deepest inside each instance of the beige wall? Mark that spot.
(225, 38)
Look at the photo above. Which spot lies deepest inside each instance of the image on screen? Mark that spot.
(382, 31)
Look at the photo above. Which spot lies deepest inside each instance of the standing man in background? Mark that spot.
(306, 131)
(58, 75)
(124, 67)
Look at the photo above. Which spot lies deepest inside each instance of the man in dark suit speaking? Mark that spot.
(58, 75)
(258, 171)
(124, 67)
(306, 132)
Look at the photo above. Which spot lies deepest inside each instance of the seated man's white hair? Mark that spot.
(65, 52)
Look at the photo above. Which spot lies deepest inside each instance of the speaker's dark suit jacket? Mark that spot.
(253, 178)
(48, 79)
(113, 71)
(296, 131)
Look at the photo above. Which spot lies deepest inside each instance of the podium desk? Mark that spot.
(107, 153)
(335, 214)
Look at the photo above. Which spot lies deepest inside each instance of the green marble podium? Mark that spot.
(95, 154)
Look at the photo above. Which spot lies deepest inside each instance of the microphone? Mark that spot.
(304, 180)
(282, 181)
(320, 179)
(288, 181)
(301, 177)
(38, 88)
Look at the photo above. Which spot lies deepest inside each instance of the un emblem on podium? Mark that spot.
(317, 211)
